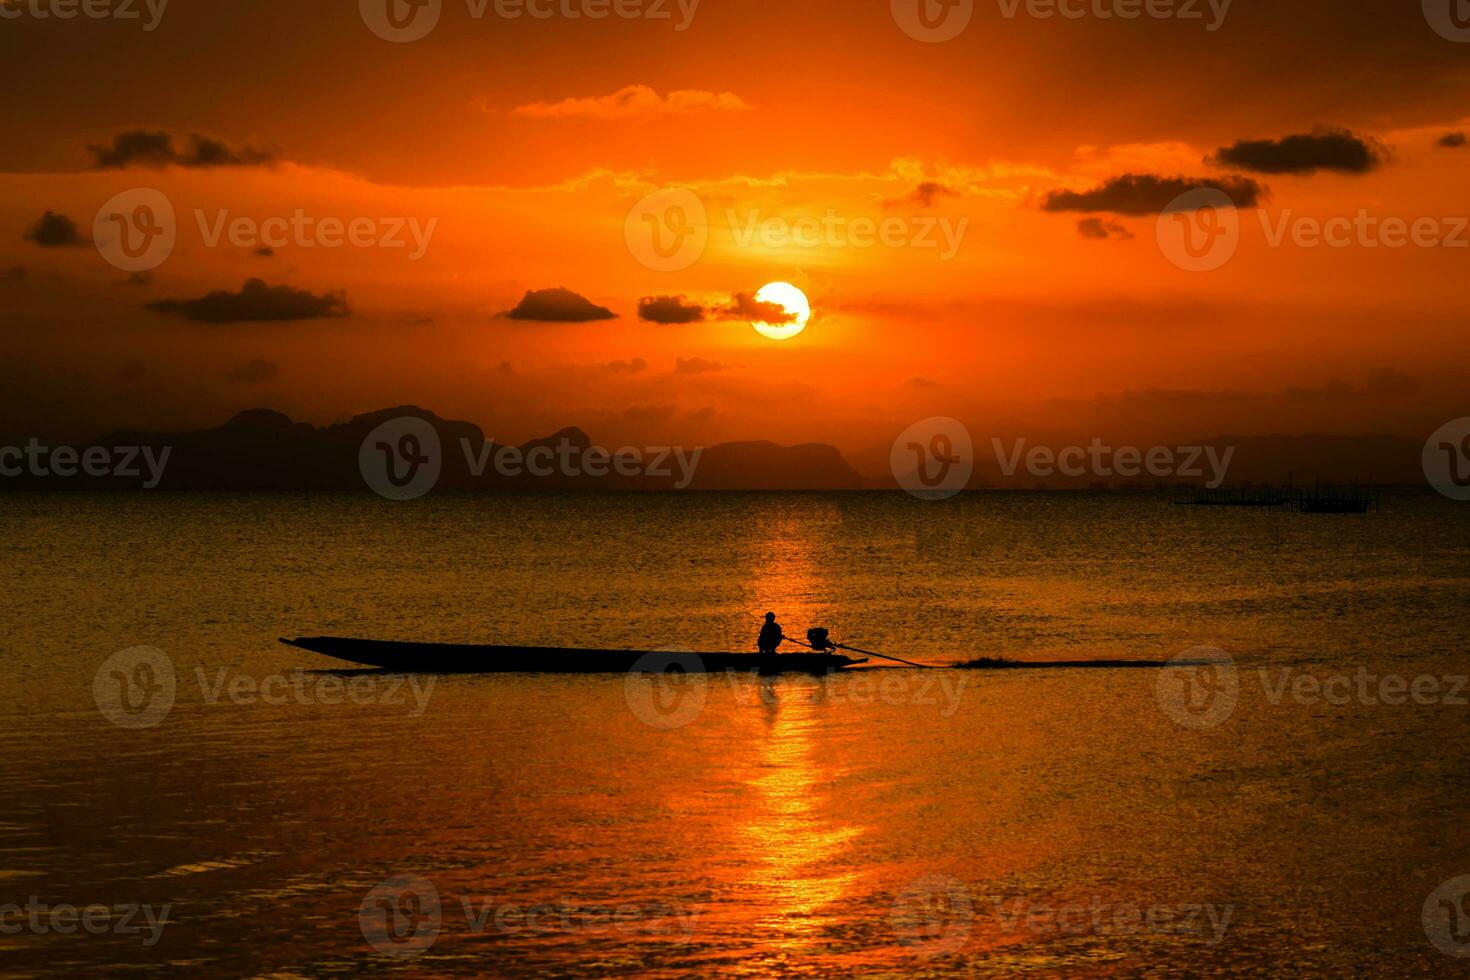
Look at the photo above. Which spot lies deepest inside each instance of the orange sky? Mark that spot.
(524, 144)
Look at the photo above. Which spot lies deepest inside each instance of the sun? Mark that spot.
(790, 299)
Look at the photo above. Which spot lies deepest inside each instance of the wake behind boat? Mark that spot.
(451, 658)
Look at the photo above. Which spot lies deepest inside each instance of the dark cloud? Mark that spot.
(264, 253)
(1452, 141)
(1140, 194)
(14, 274)
(54, 230)
(696, 365)
(558, 306)
(1102, 228)
(254, 372)
(257, 302)
(1326, 149)
(926, 194)
(635, 366)
(156, 149)
(744, 306)
(669, 309)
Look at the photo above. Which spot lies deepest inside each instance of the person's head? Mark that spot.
(770, 617)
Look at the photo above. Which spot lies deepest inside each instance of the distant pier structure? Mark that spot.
(1314, 500)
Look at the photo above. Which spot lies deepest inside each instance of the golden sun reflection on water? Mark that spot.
(792, 836)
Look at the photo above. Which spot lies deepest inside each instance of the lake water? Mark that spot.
(1300, 809)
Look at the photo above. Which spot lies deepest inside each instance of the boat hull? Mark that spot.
(450, 658)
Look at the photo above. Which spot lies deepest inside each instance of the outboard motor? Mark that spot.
(817, 638)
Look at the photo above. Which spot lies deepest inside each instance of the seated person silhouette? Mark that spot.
(771, 636)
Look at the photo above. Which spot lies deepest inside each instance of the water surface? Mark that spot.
(1046, 822)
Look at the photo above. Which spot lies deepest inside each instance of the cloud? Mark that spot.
(635, 366)
(1452, 141)
(54, 230)
(1100, 228)
(926, 194)
(156, 149)
(923, 384)
(632, 102)
(253, 372)
(696, 365)
(669, 309)
(1141, 194)
(257, 302)
(264, 252)
(558, 306)
(1325, 149)
(744, 306)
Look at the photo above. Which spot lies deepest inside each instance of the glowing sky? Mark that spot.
(953, 210)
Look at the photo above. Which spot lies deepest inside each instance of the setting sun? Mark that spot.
(793, 301)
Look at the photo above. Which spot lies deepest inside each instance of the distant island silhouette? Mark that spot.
(266, 450)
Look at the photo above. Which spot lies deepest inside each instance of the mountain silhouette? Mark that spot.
(266, 450)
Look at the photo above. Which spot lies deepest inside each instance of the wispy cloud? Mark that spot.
(635, 102)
